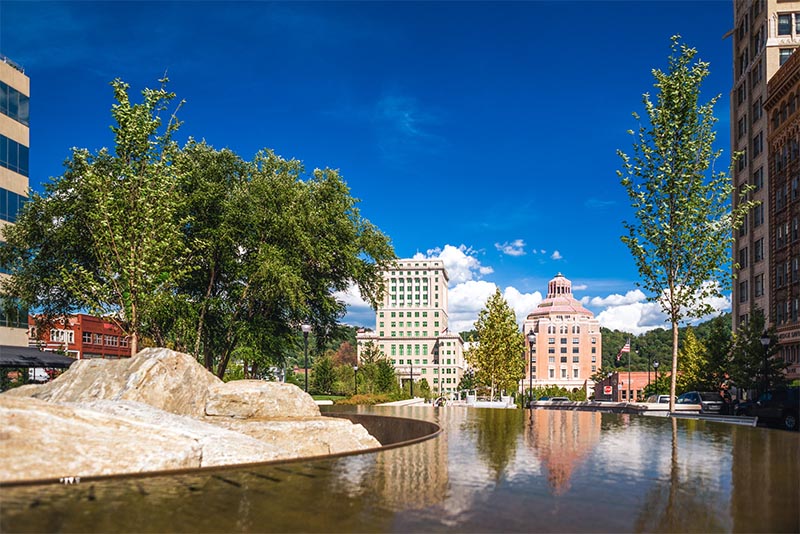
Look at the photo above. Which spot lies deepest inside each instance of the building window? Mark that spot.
(741, 93)
(757, 109)
(563, 359)
(758, 250)
(758, 282)
(575, 350)
(552, 372)
(575, 359)
(86, 337)
(742, 128)
(98, 339)
(785, 54)
(563, 373)
(743, 291)
(758, 178)
(784, 24)
(758, 215)
(758, 144)
(575, 373)
(743, 257)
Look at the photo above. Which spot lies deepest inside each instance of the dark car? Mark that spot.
(777, 407)
(709, 401)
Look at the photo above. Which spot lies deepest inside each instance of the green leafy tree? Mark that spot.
(683, 234)
(718, 342)
(123, 248)
(752, 366)
(693, 365)
(498, 356)
(385, 378)
(324, 377)
(370, 353)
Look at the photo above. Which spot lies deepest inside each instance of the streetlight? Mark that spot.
(531, 341)
(355, 377)
(610, 374)
(306, 328)
(765, 341)
(655, 366)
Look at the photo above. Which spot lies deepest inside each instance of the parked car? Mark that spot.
(709, 401)
(658, 399)
(777, 407)
(559, 399)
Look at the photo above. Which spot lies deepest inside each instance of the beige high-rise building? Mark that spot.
(567, 346)
(411, 326)
(765, 34)
(14, 143)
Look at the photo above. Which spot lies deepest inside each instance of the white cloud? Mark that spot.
(460, 262)
(359, 312)
(616, 299)
(514, 248)
(469, 298)
(556, 255)
(580, 287)
(633, 313)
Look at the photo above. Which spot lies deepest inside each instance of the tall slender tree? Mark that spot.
(498, 355)
(684, 220)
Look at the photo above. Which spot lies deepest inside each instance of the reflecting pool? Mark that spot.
(489, 471)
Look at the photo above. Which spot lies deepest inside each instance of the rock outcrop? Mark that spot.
(159, 410)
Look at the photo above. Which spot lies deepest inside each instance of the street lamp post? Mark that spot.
(411, 373)
(306, 328)
(655, 366)
(355, 378)
(765, 341)
(531, 341)
(609, 375)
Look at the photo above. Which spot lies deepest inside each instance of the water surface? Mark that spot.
(489, 471)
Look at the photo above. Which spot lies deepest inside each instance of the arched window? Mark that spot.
(576, 329)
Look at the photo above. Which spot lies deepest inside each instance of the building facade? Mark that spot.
(781, 107)
(622, 386)
(765, 34)
(567, 348)
(82, 337)
(14, 144)
(411, 326)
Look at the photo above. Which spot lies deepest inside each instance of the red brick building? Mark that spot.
(84, 337)
(620, 387)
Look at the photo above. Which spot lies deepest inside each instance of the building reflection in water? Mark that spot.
(562, 440)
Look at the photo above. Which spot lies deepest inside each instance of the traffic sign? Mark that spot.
(608, 390)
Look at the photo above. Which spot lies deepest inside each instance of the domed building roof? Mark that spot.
(559, 300)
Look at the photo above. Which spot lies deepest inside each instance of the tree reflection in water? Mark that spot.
(496, 437)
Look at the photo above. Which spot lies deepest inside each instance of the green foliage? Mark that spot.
(120, 247)
(498, 357)
(269, 245)
(578, 394)
(385, 377)
(370, 353)
(693, 366)
(323, 377)
(684, 224)
(749, 361)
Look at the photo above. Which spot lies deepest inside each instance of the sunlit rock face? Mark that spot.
(159, 410)
(256, 398)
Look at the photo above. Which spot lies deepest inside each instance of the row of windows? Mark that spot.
(10, 204)
(552, 372)
(575, 359)
(563, 329)
(786, 311)
(408, 314)
(13, 155)
(99, 339)
(787, 272)
(13, 314)
(448, 361)
(14, 104)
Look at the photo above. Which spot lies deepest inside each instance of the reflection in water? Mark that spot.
(562, 439)
(496, 433)
(491, 471)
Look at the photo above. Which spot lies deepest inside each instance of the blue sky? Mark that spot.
(482, 133)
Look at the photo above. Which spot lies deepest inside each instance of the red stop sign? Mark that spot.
(607, 390)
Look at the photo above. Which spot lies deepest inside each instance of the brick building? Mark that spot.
(83, 337)
(620, 386)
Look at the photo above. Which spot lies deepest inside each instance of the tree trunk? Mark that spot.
(202, 320)
(674, 377)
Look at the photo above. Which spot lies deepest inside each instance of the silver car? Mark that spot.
(709, 401)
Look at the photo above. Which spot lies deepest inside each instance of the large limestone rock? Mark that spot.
(44, 440)
(309, 437)
(256, 398)
(165, 379)
(159, 410)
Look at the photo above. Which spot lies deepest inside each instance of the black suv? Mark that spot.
(777, 406)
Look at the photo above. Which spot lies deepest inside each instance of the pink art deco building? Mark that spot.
(567, 347)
